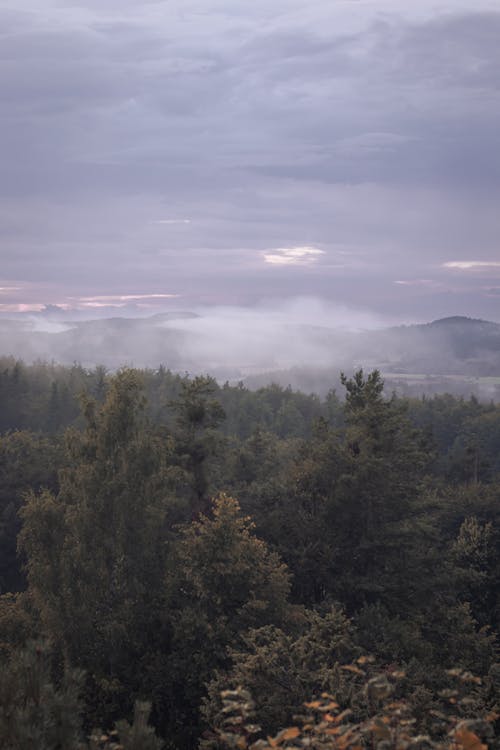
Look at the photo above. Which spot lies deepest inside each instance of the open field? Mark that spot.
(417, 384)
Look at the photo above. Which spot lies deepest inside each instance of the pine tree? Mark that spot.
(375, 506)
(197, 417)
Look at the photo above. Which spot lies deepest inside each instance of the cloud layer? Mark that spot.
(232, 151)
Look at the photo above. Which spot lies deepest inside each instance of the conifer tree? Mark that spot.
(375, 504)
(197, 417)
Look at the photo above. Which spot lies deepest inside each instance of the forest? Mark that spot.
(185, 564)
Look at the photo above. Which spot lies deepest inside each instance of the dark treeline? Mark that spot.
(164, 538)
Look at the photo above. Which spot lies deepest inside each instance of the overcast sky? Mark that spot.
(233, 152)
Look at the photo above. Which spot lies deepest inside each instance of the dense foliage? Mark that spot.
(164, 539)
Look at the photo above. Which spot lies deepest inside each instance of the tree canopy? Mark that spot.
(165, 538)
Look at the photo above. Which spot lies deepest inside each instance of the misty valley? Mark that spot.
(258, 346)
(186, 563)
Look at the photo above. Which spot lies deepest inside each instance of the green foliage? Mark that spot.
(95, 552)
(363, 393)
(222, 581)
(27, 462)
(225, 569)
(34, 711)
(437, 639)
(385, 508)
(136, 736)
(40, 710)
(18, 622)
(197, 416)
(282, 669)
(375, 503)
(475, 565)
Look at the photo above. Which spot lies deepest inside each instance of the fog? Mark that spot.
(225, 341)
(304, 342)
(297, 333)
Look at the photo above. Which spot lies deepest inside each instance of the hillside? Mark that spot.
(451, 346)
(456, 346)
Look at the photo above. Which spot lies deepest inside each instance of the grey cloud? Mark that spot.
(451, 50)
(262, 123)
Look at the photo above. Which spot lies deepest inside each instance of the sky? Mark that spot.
(173, 154)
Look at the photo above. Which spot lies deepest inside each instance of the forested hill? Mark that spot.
(183, 342)
(456, 345)
(209, 559)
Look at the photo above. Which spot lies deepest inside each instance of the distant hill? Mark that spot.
(454, 346)
(185, 341)
(469, 338)
(113, 342)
